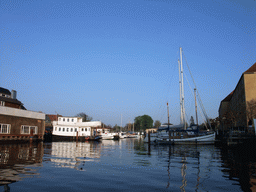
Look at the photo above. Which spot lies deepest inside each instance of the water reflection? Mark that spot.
(239, 164)
(19, 161)
(72, 154)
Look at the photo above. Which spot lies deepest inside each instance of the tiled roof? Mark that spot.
(53, 117)
(251, 69)
(228, 97)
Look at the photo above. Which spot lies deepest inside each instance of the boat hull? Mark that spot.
(197, 140)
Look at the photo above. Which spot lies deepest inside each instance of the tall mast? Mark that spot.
(182, 91)
(196, 107)
(181, 116)
(168, 115)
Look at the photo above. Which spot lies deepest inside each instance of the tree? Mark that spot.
(85, 118)
(143, 122)
(251, 110)
(157, 124)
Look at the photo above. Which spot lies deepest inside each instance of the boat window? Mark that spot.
(63, 129)
(82, 129)
(75, 129)
(67, 120)
(67, 129)
(85, 129)
(59, 129)
(71, 130)
(63, 119)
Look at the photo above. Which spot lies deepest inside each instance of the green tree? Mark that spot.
(157, 124)
(142, 123)
(85, 118)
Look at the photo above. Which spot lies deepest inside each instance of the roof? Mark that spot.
(10, 100)
(53, 117)
(228, 98)
(252, 69)
(5, 91)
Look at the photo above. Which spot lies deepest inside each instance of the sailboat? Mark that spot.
(180, 134)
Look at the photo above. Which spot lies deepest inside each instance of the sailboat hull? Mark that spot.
(196, 140)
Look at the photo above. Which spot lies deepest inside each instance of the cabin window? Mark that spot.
(71, 130)
(59, 128)
(67, 129)
(67, 120)
(5, 128)
(26, 129)
(63, 129)
(75, 129)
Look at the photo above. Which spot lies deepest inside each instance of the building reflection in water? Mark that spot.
(239, 164)
(72, 154)
(17, 160)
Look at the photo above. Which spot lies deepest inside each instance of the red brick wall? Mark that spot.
(17, 122)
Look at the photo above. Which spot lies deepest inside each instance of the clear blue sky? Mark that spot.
(113, 57)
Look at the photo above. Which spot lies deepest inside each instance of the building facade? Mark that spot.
(233, 110)
(17, 123)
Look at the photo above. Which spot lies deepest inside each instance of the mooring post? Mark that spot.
(76, 136)
(149, 137)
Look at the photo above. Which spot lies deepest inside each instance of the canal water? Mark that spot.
(125, 165)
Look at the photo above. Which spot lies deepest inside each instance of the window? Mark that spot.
(82, 129)
(59, 128)
(25, 129)
(85, 129)
(72, 120)
(59, 119)
(71, 130)
(67, 120)
(63, 119)
(5, 128)
(67, 129)
(55, 128)
(63, 129)
(75, 129)
(2, 103)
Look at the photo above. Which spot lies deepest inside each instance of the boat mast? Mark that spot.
(196, 107)
(168, 115)
(182, 105)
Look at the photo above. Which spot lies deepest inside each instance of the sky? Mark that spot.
(115, 59)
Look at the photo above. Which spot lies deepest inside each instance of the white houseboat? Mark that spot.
(73, 128)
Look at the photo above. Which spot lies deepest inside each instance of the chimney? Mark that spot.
(14, 94)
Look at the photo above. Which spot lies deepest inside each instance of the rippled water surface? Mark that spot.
(125, 165)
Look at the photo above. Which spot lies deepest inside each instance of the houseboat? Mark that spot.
(73, 128)
(17, 123)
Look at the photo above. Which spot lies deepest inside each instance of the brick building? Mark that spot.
(233, 110)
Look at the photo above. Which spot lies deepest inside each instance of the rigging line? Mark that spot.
(199, 98)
